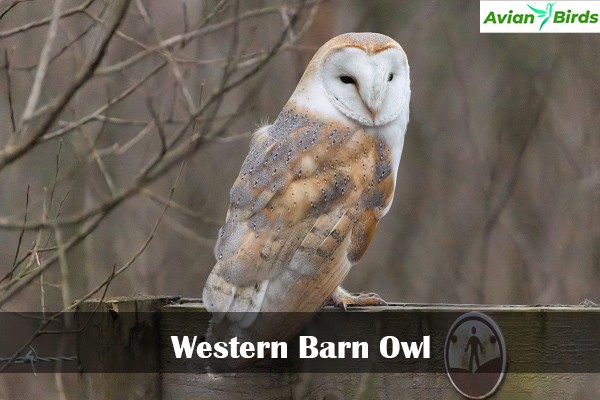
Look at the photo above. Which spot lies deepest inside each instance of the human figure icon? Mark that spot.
(475, 344)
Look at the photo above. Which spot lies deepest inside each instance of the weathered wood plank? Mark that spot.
(110, 338)
(174, 386)
(393, 386)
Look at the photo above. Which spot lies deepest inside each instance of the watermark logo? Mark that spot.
(545, 14)
(475, 355)
(539, 16)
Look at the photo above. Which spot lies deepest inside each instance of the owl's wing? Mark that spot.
(302, 210)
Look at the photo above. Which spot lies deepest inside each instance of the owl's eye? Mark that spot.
(390, 77)
(347, 79)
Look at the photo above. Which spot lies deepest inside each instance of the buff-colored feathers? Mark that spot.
(314, 184)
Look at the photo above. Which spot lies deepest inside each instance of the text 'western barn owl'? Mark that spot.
(315, 183)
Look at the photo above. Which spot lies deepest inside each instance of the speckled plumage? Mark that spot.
(310, 193)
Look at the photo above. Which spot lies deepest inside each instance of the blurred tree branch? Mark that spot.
(196, 121)
(49, 113)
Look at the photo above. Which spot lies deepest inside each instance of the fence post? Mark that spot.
(110, 335)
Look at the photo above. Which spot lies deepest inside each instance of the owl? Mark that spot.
(315, 183)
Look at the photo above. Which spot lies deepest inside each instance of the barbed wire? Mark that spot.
(31, 358)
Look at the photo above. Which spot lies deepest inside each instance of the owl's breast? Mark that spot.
(327, 166)
(305, 168)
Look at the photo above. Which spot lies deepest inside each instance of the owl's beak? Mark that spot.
(372, 112)
(373, 95)
(373, 101)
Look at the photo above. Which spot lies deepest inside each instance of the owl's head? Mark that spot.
(365, 76)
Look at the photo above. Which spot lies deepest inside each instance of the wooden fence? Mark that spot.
(107, 342)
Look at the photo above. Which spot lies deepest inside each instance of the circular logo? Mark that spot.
(475, 355)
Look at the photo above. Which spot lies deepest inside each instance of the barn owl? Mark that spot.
(315, 183)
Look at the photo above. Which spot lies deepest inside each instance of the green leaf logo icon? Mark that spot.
(545, 14)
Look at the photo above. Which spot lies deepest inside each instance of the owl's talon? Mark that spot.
(363, 295)
(342, 299)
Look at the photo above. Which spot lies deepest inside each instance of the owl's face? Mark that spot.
(363, 77)
(373, 89)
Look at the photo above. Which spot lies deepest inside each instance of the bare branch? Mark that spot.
(176, 71)
(11, 109)
(15, 286)
(60, 52)
(122, 149)
(10, 7)
(97, 113)
(179, 136)
(182, 209)
(45, 21)
(29, 139)
(178, 39)
(105, 284)
(159, 129)
(14, 265)
(63, 264)
(201, 138)
(40, 73)
(139, 252)
(46, 321)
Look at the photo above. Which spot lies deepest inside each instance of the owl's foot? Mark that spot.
(342, 298)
